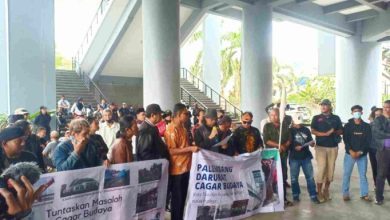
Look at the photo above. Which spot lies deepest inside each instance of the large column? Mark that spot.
(358, 72)
(256, 76)
(27, 68)
(212, 52)
(161, 59)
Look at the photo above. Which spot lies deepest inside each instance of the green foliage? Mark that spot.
(197, 67)
(62, 62)
(3, 121)
(315, 89)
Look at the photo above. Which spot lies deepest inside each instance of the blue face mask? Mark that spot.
(357, 115)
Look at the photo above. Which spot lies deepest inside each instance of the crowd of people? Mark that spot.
(112, 135)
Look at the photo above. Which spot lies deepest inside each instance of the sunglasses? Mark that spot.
(247, 122)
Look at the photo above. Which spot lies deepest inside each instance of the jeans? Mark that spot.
(374, 165)
(284, 173)
(349, 163)
(307, 167)
(383, 159)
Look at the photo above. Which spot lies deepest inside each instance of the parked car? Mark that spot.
(299, 112)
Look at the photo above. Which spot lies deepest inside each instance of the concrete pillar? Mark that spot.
(27, 51)
(161, 56)
(212, 53)
(326, 53)
(256, 76)
(358, 72)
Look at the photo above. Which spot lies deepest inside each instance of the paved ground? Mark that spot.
(336, 209)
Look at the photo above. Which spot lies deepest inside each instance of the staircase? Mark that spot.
(194, 90)
(72, 86)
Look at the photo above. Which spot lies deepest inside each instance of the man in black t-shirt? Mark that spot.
(300, 156)
(327, 128)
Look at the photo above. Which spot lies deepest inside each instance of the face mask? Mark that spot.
(357, 115)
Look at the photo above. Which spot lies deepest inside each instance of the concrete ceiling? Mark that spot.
(127, 58)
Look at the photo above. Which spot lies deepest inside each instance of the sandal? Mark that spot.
(366, 198)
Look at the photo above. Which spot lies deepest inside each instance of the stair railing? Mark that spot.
(189, 99)
(211, 93)
(89, 36)
(97, 92)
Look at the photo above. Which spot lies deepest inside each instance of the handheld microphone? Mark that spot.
(28, 169)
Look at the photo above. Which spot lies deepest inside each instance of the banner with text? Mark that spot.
(223, 187)
(123, 191)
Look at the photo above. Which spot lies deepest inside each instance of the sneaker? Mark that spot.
(346, 198)
(320, 197)
(379, 202)
(315, 200)
(327, 195)
(366, 198)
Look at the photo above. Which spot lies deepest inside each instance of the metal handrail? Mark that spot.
(202, 86)
(90, 33)
(97, 91)
(190, 97)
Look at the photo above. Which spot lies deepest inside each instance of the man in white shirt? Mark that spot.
(108, 128)
(63, 104)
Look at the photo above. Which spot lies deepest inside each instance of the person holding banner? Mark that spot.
(180, 159)
(271, 139)
(246, 138)
(300, 157)
(224, 125)
(327, 128)
(207, 134)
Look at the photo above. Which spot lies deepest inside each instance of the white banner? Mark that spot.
(223, 187)
(123, 191)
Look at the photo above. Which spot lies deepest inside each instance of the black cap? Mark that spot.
(11, 133)
(211, 113)
(326, 102)
(153, 109)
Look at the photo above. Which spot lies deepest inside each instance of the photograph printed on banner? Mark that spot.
(205, 213)
(271, 180)
(147, 198)
(79, 186)
(256, 188)
(48, 194)
(238, 207)
(152, 174)
(116, 178)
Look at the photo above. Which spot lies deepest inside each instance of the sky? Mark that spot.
(293, 44)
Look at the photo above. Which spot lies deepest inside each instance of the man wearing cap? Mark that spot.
(224, 125)
(246, 138)
(357, 139)
(150, 146)
(327, 128)
(207, 134)
(12, 141)
(19, 114)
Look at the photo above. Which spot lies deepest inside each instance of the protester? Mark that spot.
(162, 125)
(124, 110)
(43, 120)
(207, 134)
(150, 146)
(122, 149)
(246, 138)
(78, 110)
(32, 142)
(375, 112)
(357, 139)
(180, 160)
(19, 114)
(114, 110)
(271, 140)
(224, 125)
(41, 134)
(199, 116)
(103, 104)
(108, 128)
(63, 105)
(300, 157)
(77, 152)
(327, 128)
(97, 140)
(65, 137)
(381, 140)
(140, 114)
(220, 113)
(50, 148)
(12, 141)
